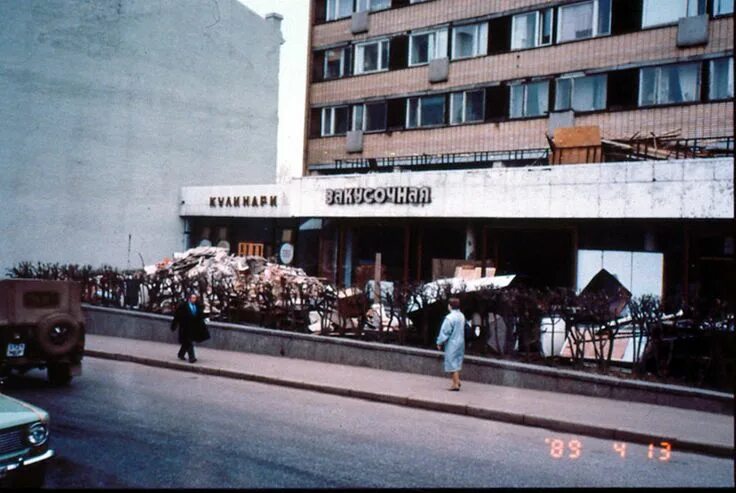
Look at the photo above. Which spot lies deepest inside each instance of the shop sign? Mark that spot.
(379, 195)
(244, 201)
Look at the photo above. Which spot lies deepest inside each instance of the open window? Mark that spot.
(371, 56)
(338, 9)
(470, 40)
(467, 106)
(372, 5)
(721, 79)
(529, 99)
(425, 46)
(581, 93)
(669, 84)
(369, 117)
(584, 20)
(336, 63)
(722, 7)
(531, 29)
(334, 121)
(659, 12)
(425, 111)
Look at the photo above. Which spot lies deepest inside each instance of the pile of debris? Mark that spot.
(229, 281)
(584, 144)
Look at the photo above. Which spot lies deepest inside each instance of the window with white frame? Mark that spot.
(373, 5)
(334, 64)
(657, 12)
(721, 78)
(669, 84)
(334, 120)
(584, 20)
(531, 29)
(427, 45)
(469, 41)
(722, 7)
(529, 99)
(425, 111)
(371, 56)
(581, 93)
(337, 9)
(467, 106)
(369, 117)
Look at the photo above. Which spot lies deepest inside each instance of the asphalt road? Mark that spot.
(126, 425)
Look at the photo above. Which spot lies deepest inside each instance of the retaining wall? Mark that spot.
(250, 339)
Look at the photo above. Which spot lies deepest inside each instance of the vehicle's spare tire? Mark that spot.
(58, 334)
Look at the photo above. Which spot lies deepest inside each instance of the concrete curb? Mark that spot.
(489, 414)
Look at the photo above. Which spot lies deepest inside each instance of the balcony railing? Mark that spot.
(635, 149)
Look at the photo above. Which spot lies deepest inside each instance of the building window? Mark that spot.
(467, 106)
(334, 121)
(334, 64)
(584, 20)
(369, 117)
(586, 93)
(658, 12)
(722, 7)
(425, 111)
(371, 56)
(669, 84)
(373, 5)
(721, 79)
(427, 45)
(531, 29)
(530, 99)
(469, 41)
(337, 9)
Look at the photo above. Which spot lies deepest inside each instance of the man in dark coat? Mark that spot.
(189, 317)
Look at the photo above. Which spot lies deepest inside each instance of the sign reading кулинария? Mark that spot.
(379, 195)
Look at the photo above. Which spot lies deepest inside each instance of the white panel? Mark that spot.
(619, 264)
(589, 263)
(648, 268)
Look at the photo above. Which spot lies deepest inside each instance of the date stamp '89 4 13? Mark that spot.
(573, 449)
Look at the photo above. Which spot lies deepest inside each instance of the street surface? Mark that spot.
(131, 426)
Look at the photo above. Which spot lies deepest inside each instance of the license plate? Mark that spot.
(16, 350)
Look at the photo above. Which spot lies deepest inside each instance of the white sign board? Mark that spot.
(286, 253)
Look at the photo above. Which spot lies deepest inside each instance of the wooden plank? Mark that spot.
(582, 136)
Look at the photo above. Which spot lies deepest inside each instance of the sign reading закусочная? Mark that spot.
(379, 195)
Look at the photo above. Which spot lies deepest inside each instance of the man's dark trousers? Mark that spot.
(187, 347)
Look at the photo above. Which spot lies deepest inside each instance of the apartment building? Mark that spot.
(431, 132)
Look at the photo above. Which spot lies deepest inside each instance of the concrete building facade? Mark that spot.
(431, 137)
(465, 96)
(110, 107)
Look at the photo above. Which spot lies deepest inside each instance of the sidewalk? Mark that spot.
(685, 430)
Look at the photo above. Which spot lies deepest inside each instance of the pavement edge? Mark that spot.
(715, 450)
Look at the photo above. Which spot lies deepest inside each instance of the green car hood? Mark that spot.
(15, 413)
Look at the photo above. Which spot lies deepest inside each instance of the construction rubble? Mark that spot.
(246, 282)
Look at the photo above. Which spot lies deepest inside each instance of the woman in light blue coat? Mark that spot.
(452, 335)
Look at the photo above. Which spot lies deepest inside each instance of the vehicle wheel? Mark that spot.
(60, 373)
(58, 334)
(33, 478)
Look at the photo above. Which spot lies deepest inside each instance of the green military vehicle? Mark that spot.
(41, 326)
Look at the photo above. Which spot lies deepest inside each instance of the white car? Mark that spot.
(24, 447)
